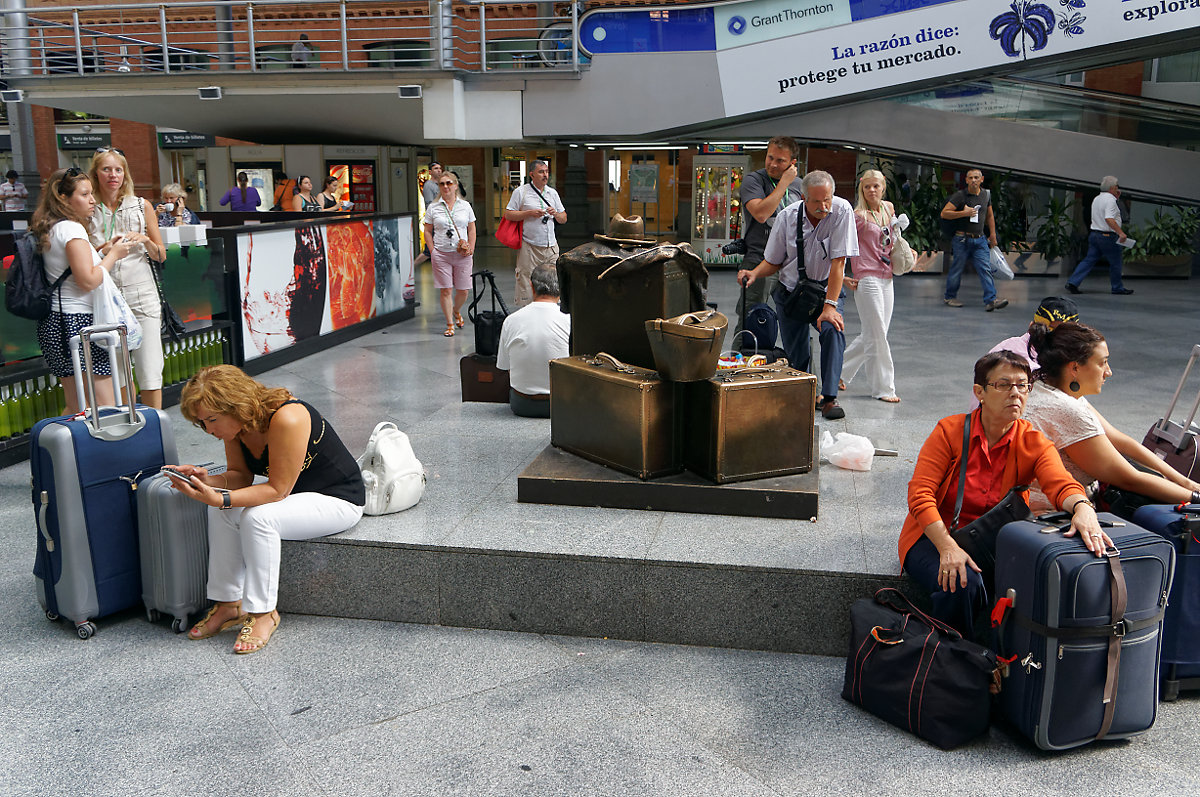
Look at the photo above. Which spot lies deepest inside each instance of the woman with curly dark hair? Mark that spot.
(313, 488)
(1072, 364)
(59, 226)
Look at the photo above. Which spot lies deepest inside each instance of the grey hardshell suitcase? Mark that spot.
(1178, 444)
(173, 541)
(1085, 631)
(84, 472)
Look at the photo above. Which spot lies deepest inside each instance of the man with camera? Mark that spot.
(765, 192)
(537, 205)
(811, 270)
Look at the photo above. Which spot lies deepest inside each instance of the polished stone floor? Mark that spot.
(357, 707)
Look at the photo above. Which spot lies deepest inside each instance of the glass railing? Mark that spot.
(1071, 108)
(264, 35)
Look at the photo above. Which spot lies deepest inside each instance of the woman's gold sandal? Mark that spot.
(246, 637)
(201, 626)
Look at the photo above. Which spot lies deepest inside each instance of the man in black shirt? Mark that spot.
(970, 210)
(764, 193)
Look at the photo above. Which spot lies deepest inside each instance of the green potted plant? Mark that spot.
(1054, 238)
(1166, 240)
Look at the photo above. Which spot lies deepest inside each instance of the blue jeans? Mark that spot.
(1100, 245)
(979, 253)
(794, 335)
(957, 609)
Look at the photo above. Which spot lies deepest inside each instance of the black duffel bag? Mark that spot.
(487, 322)
(917, 673)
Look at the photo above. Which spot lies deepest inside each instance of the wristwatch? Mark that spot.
(1077, 504)
(226, 499)
(831, 302)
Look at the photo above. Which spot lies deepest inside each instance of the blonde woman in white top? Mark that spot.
(450, 231)
(120, 215)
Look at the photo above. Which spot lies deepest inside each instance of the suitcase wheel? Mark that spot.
(85, 629)
(152, 615)
(178, 625)
(51, 616)
(1170, 691)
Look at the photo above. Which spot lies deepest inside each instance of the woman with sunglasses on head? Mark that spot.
(313, 488)
(450, 225)
(872, 285)
(1072, 364)
(174, 211)
(120, 215)
(59, 226)
(303, 201)
(1002, 451)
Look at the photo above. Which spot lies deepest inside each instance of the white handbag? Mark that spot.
(110, 307)
(391, 471)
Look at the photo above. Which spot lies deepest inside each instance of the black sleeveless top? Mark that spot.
(328, 467)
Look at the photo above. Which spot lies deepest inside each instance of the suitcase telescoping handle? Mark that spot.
(1172, 432)
(112, 336)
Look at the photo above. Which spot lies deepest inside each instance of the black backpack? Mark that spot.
(27, 293)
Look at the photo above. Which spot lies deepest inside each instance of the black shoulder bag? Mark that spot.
(978, 538)
(807, 300)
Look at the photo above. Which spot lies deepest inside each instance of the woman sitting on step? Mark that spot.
(313, 488)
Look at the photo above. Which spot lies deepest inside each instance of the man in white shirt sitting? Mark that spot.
(530, 338)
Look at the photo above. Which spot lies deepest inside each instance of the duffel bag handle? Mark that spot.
(897, 600)
(698, 317)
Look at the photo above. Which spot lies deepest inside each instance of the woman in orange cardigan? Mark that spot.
(1004, 451)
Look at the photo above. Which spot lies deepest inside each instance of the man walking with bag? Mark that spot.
(820, 233)
(970, 211)
(537, 205)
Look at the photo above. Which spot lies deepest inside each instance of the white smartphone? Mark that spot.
(178, 475)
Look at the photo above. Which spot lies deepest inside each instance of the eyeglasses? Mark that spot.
(446, 182)
(1004, 386)
(101, 150)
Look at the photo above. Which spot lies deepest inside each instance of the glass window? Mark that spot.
(1182, 68)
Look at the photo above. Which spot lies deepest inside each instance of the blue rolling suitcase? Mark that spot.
(1180, 525)
(85, 471)
(1084, 631)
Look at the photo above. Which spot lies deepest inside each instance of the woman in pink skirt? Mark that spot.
(450, 232)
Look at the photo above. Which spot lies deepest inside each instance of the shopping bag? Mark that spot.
(1000, 265)
(110, 307)
(509, 233)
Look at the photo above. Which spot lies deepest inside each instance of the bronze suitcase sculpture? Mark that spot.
(750, 423)
(686, 348)
(615, 414)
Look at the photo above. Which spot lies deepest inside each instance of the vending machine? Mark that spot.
(717, 206)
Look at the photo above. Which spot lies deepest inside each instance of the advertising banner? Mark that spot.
(302, 282)
(933, 42)
(762, 20)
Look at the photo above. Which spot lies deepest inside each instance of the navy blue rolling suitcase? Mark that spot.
(1180, 525)
(1084, 631)
(85, 471)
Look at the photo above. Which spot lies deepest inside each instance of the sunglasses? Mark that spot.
(102, 150)
(446, 182)
(67, 184)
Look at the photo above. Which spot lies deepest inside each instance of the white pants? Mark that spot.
(870, 351)
(243, 544)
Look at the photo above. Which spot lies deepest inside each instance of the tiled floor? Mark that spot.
(350, 707)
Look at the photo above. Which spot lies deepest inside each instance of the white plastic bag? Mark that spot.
(391, 471)
(110, 307)
(849, 451)
(1000, 265)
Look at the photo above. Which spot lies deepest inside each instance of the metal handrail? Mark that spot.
(252, 35)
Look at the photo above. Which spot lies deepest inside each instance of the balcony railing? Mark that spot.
(182, 37)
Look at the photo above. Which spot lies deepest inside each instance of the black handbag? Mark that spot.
(978, 538)
(806, 301)
(916, 672)
(172, 325)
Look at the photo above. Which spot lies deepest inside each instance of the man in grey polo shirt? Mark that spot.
(830, 236)
(764, 193)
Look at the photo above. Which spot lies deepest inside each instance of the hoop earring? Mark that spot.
(1073, 386)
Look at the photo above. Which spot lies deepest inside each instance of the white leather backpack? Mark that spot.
(391, 471)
